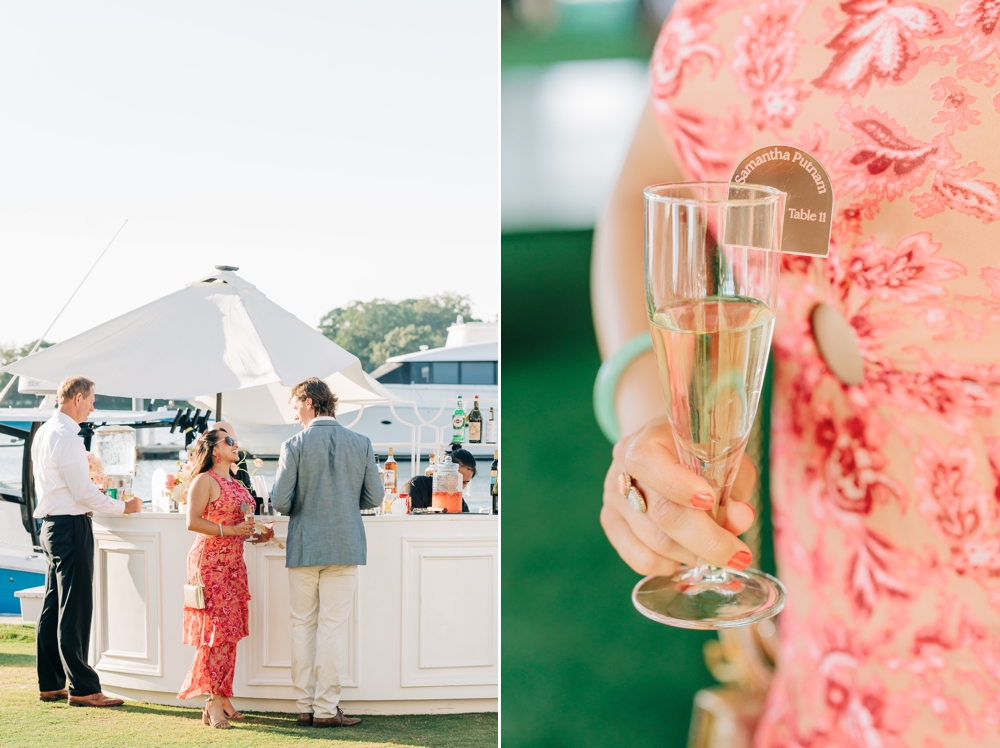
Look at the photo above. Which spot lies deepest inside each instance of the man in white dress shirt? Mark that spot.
(67, 500)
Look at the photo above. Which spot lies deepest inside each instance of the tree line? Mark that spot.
(377, 330)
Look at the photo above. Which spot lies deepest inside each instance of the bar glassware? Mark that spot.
(248, 514)
(711, 265)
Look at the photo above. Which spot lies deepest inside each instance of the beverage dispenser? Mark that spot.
(447, 493)
(115, 446)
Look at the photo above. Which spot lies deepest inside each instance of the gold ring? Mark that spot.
(629, 490)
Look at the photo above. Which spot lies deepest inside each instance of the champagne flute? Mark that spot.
(712, 260)
(247, 510)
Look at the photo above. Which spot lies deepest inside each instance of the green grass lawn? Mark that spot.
(25, 721)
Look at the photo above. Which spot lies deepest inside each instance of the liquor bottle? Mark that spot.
(431, 467)
(476, 423)
(495, 482)
(389, 481)
(490, 430)
(458, 423)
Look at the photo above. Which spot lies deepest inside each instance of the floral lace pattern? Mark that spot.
(886, 495)
(217, 628)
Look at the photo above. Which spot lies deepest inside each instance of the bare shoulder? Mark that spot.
(203, 485)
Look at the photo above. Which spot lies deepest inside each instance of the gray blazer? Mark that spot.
(326, 476)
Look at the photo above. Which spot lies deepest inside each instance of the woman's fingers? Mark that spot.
(746, 481)
(653, 537)
(633, 551)
(740, 517)
(697, 531)
(643, 529)
(650, 460)
(679, 523)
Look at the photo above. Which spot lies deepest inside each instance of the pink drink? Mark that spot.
(450, 500)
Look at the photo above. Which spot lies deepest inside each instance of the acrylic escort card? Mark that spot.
(809, 201)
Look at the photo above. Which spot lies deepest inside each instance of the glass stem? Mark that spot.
(711, 574)
(706, 571)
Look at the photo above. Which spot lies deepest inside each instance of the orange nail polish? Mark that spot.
(703, 500)
(740, 560)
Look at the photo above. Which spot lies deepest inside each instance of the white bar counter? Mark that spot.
(423, 636)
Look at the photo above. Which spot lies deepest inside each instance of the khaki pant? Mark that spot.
(321, 599)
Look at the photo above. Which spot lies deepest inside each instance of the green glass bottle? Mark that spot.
(458, 423)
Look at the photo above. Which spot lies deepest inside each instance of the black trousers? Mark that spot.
(63, 635)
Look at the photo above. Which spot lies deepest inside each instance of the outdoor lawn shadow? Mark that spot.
(160, 709)
(17, 660)
(388, 730)
(286, 725)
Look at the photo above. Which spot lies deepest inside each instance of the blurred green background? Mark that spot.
(580, 667)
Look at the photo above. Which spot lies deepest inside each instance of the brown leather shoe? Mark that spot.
(305, 719)
(95, 699)
(341, 720)
(61, 695)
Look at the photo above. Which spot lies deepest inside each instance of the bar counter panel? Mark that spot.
(422, 636)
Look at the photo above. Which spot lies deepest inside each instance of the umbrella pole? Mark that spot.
(218, 407)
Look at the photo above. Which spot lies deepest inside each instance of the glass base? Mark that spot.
(706, 597)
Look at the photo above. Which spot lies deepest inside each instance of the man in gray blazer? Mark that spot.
(326, 476)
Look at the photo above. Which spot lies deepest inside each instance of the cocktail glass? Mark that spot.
(712, 260)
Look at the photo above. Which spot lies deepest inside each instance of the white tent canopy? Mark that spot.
(218, 334)
(267, 404)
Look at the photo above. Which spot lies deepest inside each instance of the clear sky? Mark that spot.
(334, 151)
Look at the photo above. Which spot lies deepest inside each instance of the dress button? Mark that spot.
(837, 344)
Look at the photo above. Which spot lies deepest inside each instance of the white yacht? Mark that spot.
(427, 384)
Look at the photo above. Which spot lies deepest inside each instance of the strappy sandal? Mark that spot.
(232, 715)
(208, 719)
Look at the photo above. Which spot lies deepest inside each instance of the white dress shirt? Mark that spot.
(62, 474)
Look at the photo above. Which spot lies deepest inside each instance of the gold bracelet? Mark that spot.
(220, 530)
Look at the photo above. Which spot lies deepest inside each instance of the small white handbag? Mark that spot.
(194, 594)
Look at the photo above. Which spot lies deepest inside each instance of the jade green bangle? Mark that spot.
(607, 382)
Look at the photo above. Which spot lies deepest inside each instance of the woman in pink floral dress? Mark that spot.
(885, 492)
(216, 557)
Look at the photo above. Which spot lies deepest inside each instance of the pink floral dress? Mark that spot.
(886, 495)
(216, 630)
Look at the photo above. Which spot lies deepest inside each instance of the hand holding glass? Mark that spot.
(712, 260)
(248, 510)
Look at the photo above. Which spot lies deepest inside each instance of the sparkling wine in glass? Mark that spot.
(712, 259)
(248, 515)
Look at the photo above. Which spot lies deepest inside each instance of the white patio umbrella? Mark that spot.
(218, 334)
